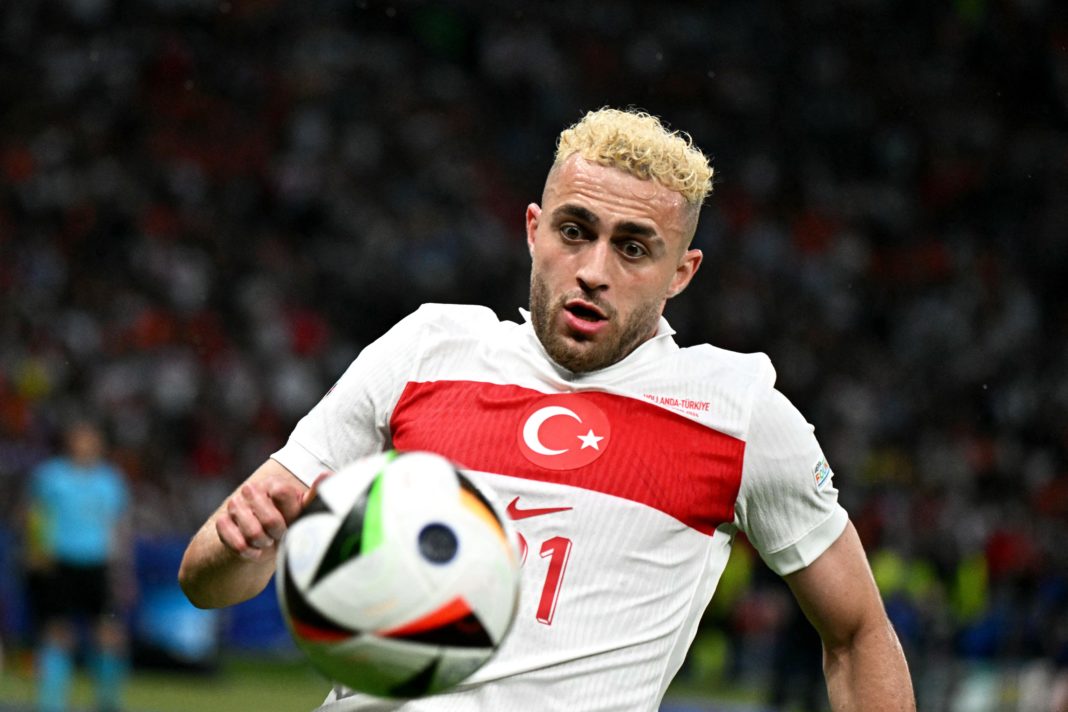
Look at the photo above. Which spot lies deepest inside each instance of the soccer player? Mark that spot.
(78, 534)
(628, 463)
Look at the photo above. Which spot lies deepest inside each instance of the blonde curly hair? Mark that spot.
(638, 143)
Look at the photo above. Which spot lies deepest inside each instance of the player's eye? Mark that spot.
(632, 249)
(571, 231)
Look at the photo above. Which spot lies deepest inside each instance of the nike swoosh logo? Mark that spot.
(515, 513)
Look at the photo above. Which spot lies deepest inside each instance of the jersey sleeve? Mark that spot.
(787, 504)
(352, 419)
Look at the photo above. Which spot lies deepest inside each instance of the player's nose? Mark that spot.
(594, 267)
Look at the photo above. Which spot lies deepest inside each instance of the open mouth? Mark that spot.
(585, 311)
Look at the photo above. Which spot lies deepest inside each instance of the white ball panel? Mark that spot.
(372, 592)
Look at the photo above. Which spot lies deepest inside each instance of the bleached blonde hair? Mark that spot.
(638, 143)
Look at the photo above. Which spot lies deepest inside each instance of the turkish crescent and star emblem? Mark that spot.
(563, 432)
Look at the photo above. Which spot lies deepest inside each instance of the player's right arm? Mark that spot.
(231, 558)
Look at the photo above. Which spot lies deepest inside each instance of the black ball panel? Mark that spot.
(347, 540)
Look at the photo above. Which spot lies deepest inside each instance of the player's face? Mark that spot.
(608, 251)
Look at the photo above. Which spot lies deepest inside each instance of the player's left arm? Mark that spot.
(863, 661)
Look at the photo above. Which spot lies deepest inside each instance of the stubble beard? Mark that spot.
(577, 354)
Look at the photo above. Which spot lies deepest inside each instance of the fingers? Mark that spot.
(267, 509)
(232, 537)
(241, 527)
(254, 518)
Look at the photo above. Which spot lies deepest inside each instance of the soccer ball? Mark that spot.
(401, 577)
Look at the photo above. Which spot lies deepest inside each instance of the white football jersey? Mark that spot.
(626, 485)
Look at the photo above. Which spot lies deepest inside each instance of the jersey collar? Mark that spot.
(660, 345)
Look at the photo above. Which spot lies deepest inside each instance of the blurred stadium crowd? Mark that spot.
(207, 207)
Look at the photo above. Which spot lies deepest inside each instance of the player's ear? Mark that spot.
(685, 271)
(533, 217)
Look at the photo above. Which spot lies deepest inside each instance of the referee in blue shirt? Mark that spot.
(78, 504)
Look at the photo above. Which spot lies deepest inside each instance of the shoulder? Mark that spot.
(432, 323)
(752, 370)
(431, 332)
(49, 468)
(715, 386)
(51, 479)
(450, 317)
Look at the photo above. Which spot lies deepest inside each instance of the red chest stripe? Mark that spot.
(653, 456)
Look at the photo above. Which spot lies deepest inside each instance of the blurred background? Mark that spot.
(208, 207)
